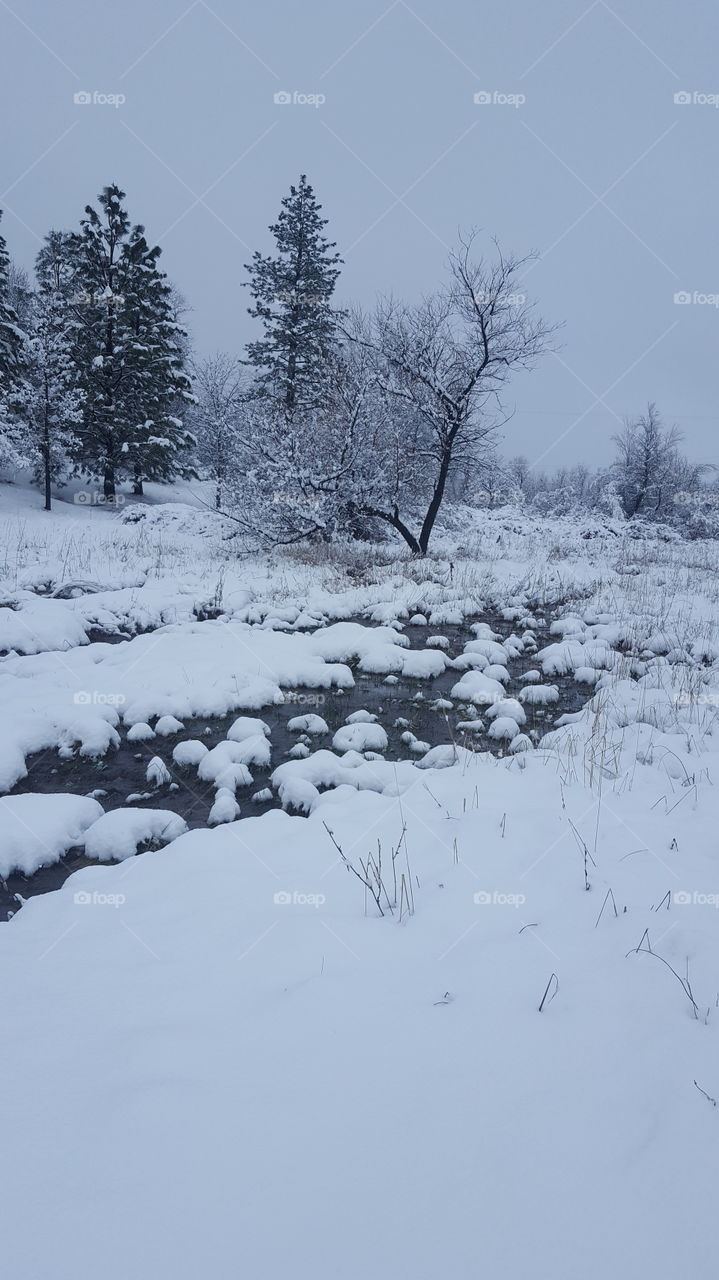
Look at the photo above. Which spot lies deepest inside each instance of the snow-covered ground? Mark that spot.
(462, 1018)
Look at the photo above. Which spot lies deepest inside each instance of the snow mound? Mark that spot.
(539, 695)
(310, 723)
(168, 725)
(362, 736)
(247, 727)
(225, 808)
(119, 834)
(140, 732)
(476, 687)
(508, 707)
(189, 752)
(37, 829)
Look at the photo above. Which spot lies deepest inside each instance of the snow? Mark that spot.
(230, 1024)
(161, 1076)
(245, 727)
(37, 829)
(508, 707)
(503, 727)
(478, 688)
(226, 755)
(119, 834)
(157, 772)
(225, 807)
(312, 724)
(140, 732)
(539, 695)
(31, 626)
(187, 753)
(167, 725)
(360, 736)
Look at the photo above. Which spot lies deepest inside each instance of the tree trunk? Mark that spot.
(137, 484)
(46, 473)
(393, 518)
(45, 449)
(436, 501)
(109, 481)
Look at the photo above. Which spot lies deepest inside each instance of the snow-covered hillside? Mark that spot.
(442, 1010)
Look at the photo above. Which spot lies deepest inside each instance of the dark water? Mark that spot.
(121, 772)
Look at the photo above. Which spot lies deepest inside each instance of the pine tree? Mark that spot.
(50, 401)
(160, 449)
(128, 352)
(12, 338)
(292, 293)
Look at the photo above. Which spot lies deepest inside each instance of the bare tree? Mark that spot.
(215, 420)
(443, 365)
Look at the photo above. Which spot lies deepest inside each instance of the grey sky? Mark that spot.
(600, 170)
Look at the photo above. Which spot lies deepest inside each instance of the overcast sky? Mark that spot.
(599, 169)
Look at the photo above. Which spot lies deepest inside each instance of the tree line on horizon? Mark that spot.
(334, 422)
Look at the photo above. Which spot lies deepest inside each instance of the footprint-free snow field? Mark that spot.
(334, 934)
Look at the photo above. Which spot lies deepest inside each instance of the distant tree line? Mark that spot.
(333, 422)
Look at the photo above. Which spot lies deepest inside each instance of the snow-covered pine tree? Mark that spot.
(292, 292)
(128, 353)
(51, 402)
(12, 338)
